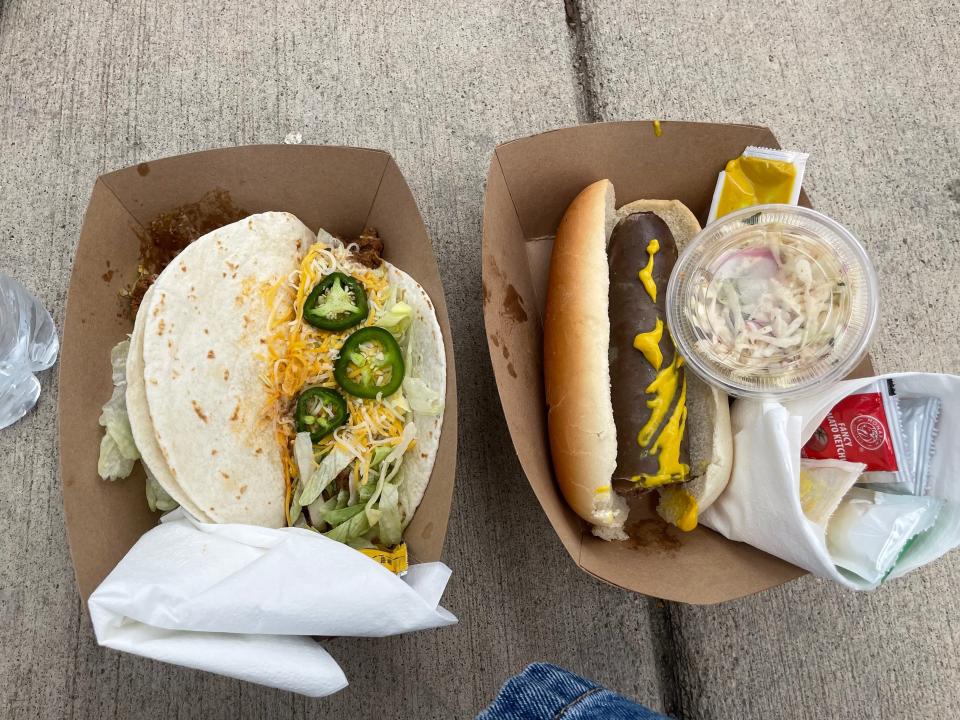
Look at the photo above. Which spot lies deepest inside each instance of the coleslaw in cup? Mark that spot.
(772, 302)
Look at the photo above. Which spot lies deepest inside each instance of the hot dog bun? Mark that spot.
(577, 330)
(576, 335)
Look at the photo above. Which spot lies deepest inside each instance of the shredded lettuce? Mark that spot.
(112, 465)
(398, 401)
(362, 543)
(335, 517)
(314, 477)
(351, 530)
(391, 463)
(118, 361)
(302, 523)
(328, 469)
(397, 319)
(117, 423)
(415, 394)
(421, 397)
(368, 514)
(306, 465)
(157, 497)
(353, 489)
(390, 523)
(117, 448)
(317, 508)
(296, 509)
(303, 455)
(389, 468)
(379, 455)
(367, 490)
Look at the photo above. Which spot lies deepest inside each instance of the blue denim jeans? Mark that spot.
(547, 692)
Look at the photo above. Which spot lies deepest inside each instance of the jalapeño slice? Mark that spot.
(337, 302)
(320, 411)
(370, 363)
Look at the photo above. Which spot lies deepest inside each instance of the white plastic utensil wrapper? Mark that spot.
(762, 505)
(240, 600)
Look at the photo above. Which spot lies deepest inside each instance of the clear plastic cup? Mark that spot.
(28, 344)
(773, 301)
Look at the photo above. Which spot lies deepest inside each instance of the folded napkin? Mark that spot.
(239, 600)
(761, 504)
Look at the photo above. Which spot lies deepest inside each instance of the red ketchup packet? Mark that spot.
(862, 428)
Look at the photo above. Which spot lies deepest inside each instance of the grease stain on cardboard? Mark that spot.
(652, 533)
(513, 306)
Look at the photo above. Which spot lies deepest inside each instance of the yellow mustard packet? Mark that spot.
(759, 176)
(394, 560)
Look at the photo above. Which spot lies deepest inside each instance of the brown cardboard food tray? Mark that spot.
(341, 189)
(529, 185)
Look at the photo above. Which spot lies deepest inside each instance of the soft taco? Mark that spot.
(276, 378)
(357, 377)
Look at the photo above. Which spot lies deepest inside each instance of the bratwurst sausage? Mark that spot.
(647, 380)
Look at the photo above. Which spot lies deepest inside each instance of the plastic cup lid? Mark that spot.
(773, 301)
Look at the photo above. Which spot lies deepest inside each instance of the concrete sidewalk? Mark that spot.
(872, 92)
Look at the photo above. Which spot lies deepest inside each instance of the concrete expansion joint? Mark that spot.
(588, 110)
(664, 631)
(668, 647)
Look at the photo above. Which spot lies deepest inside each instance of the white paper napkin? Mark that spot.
(239, 600)
(761, 505)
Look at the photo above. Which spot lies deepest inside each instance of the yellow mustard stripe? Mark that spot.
(667, 447)
(646, 274)
(649, 344)
(678, 507)
(664, 389)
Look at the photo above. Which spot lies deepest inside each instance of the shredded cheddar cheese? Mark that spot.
(299, 355)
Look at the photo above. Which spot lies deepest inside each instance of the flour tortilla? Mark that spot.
(203, 357)
(142, 424)
(427, 361)
(195, 391)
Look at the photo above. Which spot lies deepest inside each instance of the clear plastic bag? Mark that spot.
(28, 344)
(870, 530)
(919, 420)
